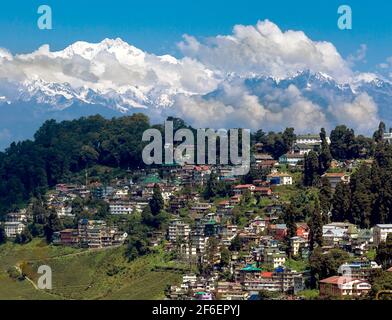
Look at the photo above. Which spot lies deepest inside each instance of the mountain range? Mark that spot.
(114, 78)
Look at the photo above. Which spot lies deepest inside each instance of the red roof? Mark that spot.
(244, 186)
(336, 280)
(266, 274)
(334, 175)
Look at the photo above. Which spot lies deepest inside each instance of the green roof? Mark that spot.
(250, 268)
(152, 179)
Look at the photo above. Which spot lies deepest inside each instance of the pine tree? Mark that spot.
(53, 225)
(290, 221)
(316, 227)
(379, 134)
(325, 197)
(325, 157)
(3, 235)
(341, 203)
(156, 202)
(311, 169)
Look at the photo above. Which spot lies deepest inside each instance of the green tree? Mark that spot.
(378, 136)
(325, 265)
(290, 220)
(325, 197)
(156, 203)
(384, 253)
(325, 157)
(316, 227)
(3, 235)
(289, 138)
(53, 225)
(311, 170)
(225, 257)
(341, 203)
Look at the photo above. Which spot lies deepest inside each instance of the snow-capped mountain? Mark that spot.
(114, 78)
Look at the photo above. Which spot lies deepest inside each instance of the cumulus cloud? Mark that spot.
(206, 86)
(265, 49)
(234, 106)
(361, 113)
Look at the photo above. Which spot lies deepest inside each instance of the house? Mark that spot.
(337, 232)
(178, 231)
(263, 191)
(388, 137)
(335, 178)
(310, 139)
(95, 234)
(380, 233)
(69, 237)
(291, 159)
(296, 244)
(275, 257)
(121, 207)
(341, 286)
(303, 230)
(304, 149)
(278, 231)
(12, 229)
(280, 179)
(242, 188)
(361, 270)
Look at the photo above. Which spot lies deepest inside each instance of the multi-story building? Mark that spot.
(120, 207)
(380, 233)
(341, 286)
(12, 229)
(178, 231)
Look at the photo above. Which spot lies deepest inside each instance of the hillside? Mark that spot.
(79, 274)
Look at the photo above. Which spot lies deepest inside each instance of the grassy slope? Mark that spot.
(78, 274)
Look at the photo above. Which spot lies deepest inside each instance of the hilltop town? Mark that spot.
(304, 224)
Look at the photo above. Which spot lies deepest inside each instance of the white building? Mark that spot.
(380, 233)
(280, 179)
(122, 207)
(12, 229)
(178, 230)
(310, 139)
(388, 137)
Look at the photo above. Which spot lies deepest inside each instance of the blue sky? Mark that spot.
(156, 26)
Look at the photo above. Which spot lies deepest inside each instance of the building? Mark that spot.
(280, 179)
(380, 233)
(242, 188)
(12, 229)
(336, 233)
(335, 178)
(178, 231)
(297, 243)
(310, 139)
(274, 257)
(388, 137)
(95, 234)
(292, 159)
(120, 207)
(341, 286)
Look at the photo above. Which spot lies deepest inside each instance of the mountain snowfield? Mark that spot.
(258, 77)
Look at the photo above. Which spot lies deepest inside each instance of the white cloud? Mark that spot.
(359, 56)
(199, 87)
(235, 107)
(360, 114)
(264, 49)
